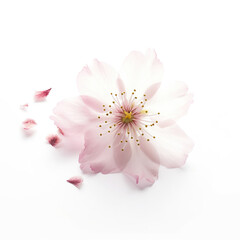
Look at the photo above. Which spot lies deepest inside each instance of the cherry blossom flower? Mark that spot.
(126, 122)
(76, 181)
(41, 95)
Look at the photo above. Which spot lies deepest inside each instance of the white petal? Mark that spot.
(98, 80)
(139, 70)
(173, 146)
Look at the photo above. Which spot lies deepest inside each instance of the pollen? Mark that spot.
(128, 117)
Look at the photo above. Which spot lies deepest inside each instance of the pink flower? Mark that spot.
(126, 122)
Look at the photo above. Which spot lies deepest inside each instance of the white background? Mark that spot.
(45, 44)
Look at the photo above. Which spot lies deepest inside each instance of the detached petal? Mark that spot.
(53, 140)
(29, 124)
(41, 95)
(76, 181)
(24, 107)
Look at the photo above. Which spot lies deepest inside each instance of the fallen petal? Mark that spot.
(28, 124)
(53, 140)
(76, 181)
(24, 107)
(60, 131)
(41, 95)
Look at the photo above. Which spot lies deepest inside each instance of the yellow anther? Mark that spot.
(98, 116)
(131, 137)
(156, 121)
(109, 146)
(109, 105)
(113, 102)
(122, 149)
(144, 111)
(148, 140)
(105, 121)
(100, 125)
(103, 105)
(146, 125)
(100, 134)
(154, 137)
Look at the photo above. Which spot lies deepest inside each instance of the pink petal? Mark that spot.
(41, 95)
(97, 80)
(173, 146)
(28, 124)
(76, 181)
(143, 168)
(141, 70)
(152, 90)
(24, 107)
(60, 131)
(98, 157)
(173, 102)
(73, 117)
(54, 140)
(121, 86)
(93, 103)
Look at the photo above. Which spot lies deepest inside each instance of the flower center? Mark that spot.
(128, 117)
